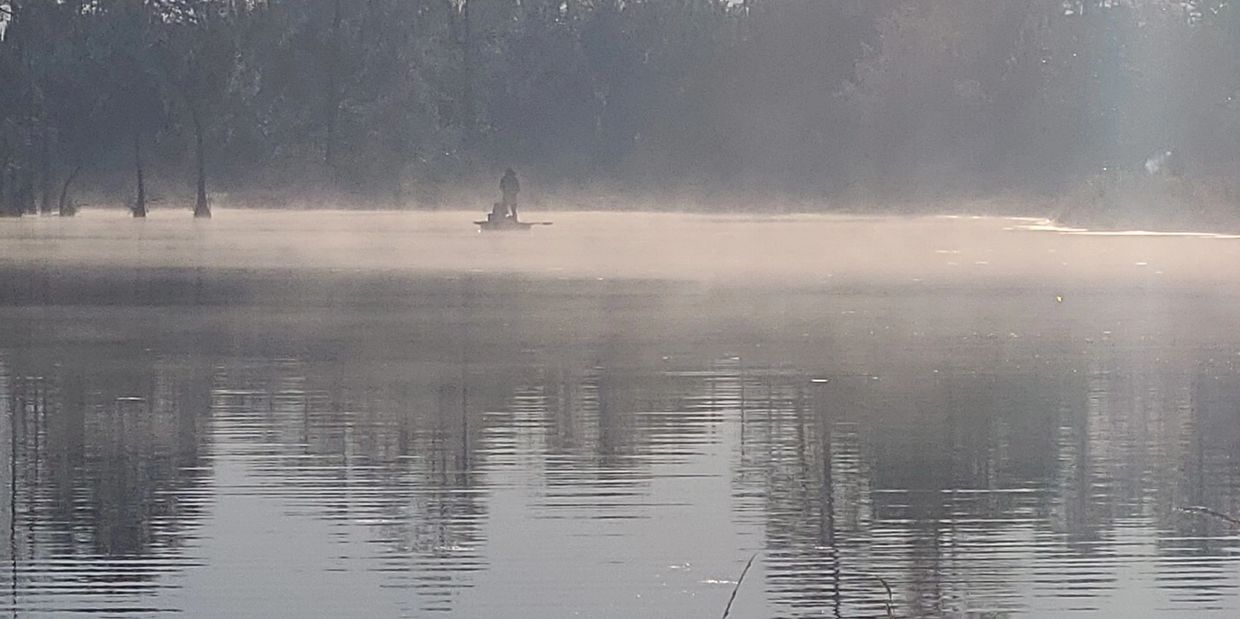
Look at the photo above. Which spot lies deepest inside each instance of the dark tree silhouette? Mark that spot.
(818, 99)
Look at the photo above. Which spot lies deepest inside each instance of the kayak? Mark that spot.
(508, 224)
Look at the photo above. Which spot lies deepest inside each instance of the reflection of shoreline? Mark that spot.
(368, 457)
(976, 451)
(108, 483)
(963, 511)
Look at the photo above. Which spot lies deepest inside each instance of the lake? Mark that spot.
(390, 414)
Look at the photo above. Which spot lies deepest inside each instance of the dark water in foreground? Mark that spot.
(303, 442)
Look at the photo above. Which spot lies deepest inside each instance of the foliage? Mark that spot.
(394, 99)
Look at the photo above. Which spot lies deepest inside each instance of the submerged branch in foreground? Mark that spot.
(740, 580)
(1197, 509)
(891, 609)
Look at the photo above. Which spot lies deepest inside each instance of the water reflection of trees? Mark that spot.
(596, 425)
(108, 458)
(1002, 475)
(364, 448)
(960, 485)
(409, 450)
(104, 473)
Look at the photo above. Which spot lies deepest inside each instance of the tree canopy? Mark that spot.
(395, 100)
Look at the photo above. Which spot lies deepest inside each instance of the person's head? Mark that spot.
(509, 172)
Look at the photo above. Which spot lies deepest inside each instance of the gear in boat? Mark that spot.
(498, 220)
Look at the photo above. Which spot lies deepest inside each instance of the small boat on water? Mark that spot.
(508, 224)
(497, 222)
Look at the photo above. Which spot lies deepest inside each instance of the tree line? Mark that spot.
(395, 100)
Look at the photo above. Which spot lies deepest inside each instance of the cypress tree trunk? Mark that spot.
(468, 94)
(45, 172)
(6, 207)
(25, 200)
(333, 90)
(201, 208)
(139, 205)
(65, 209)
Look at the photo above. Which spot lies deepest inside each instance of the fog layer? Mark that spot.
(726, 250)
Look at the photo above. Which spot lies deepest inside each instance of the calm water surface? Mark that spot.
(391, 415)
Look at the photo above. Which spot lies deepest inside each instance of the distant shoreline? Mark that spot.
(1076, 212)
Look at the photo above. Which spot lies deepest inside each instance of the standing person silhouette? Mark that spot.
(509, 186)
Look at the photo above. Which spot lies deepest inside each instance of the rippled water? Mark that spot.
(323, 436)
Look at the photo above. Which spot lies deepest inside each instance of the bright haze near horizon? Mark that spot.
(723, 249)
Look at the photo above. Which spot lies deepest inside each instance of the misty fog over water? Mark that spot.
(726, 250)
(304, 414)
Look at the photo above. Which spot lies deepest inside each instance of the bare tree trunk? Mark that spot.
(201, 208)
(468, 93)
(6, 207)
(65, 209)
(333, 90)
(45, 172)
(139, 205)
(26, 201)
